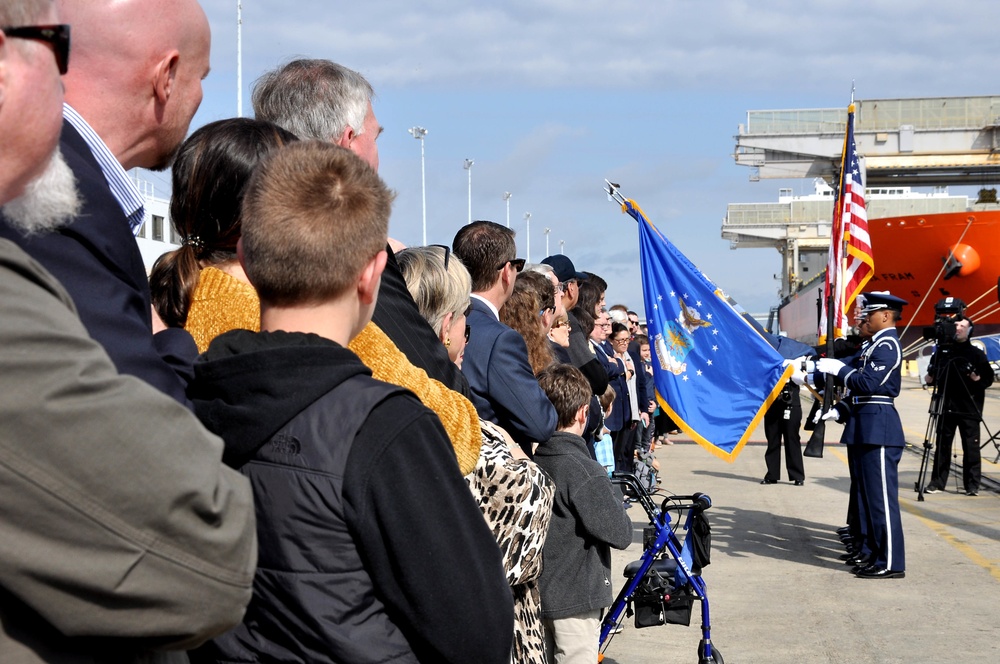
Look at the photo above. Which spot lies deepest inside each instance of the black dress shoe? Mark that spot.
(767, 481)
(857, 560)
(860, 568)
(881, 573)
(798, 482)
(844, 530)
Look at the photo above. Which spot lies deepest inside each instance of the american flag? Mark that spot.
(850, 264)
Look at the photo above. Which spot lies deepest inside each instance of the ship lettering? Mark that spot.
(893, 276)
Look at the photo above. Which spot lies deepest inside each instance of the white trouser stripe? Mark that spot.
(885, 507)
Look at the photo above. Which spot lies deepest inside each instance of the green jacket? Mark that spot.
(121, 532)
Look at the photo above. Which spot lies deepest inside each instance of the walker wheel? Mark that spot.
(716, 657)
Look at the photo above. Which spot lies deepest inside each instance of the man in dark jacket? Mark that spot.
(371, 546)
(133, 88)
(322, 100)
(587, 517)
(965, 374)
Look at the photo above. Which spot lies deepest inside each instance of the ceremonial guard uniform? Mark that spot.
(873, 379)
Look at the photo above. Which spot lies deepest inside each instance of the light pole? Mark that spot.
(419, 133)
(546, 232)
(562, 245)
(468, 167)
(506, 197)
(239, 59)
(527, 235)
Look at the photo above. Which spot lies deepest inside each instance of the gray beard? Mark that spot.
(49, 201)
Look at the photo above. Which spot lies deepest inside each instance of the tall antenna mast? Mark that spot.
(239, 58)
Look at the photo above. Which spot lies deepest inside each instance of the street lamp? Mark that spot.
(468, 167)
(419, 133)
(527, 235)
(506, 197)
(562, 245)
(546, 232)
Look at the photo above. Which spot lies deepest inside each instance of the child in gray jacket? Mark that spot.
(587, 519)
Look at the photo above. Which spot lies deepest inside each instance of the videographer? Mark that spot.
(962, 372)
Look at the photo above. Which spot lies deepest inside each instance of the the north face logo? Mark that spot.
(283, 443)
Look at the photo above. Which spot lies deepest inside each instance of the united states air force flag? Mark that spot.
(714, 374)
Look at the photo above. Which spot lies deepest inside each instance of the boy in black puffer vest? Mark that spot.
(371, 548)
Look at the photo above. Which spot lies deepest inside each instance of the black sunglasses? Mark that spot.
(447, 253)
(518, 264)
(57, 36)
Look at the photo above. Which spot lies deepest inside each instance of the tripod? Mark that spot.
(945, 370)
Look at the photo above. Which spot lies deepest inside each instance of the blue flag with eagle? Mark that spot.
(715, 375)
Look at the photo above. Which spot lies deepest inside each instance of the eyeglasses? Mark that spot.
(567, 283)
(623, 340)
(561, 324)
(56, 36)
(542, 312)
(447, 253)
(468, 331)
(560, 288)
(517, 263)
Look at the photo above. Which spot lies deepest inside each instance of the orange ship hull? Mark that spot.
(923, 259)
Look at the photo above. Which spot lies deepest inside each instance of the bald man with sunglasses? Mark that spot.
(130, 95)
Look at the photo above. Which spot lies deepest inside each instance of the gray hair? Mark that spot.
(18, 13)
(540, 268)
(437, 292)
(313, 99)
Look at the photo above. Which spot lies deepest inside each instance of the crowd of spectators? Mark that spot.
(296, 440)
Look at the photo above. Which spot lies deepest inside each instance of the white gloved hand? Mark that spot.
(798, 377)
(828, 365)
(831, 415)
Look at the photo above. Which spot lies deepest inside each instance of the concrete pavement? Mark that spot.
(779, 593)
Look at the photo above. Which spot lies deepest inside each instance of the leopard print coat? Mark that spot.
(515, 497)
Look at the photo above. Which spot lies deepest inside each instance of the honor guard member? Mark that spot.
(873, 379)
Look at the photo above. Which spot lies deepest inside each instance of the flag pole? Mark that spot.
(814, 448)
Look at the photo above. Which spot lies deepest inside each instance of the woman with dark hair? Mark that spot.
(201, 286)
(590, 299)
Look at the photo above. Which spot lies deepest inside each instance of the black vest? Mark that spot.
(313, 601)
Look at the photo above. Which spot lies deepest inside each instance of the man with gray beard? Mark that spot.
(134, 86)
(123, 534)
(48, 202)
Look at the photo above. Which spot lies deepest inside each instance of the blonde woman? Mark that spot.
(513, 493)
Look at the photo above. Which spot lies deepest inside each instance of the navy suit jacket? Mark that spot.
(504, 390)
(98, 261)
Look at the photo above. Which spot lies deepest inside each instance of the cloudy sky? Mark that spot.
(549, 97)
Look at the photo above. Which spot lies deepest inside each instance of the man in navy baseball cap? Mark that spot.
(564, 268)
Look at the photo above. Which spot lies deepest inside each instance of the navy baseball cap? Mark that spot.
(564, 268)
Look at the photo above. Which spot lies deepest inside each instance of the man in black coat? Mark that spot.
(324, 101)
(964, 374)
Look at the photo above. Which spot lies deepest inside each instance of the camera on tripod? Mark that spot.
(946, 313)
